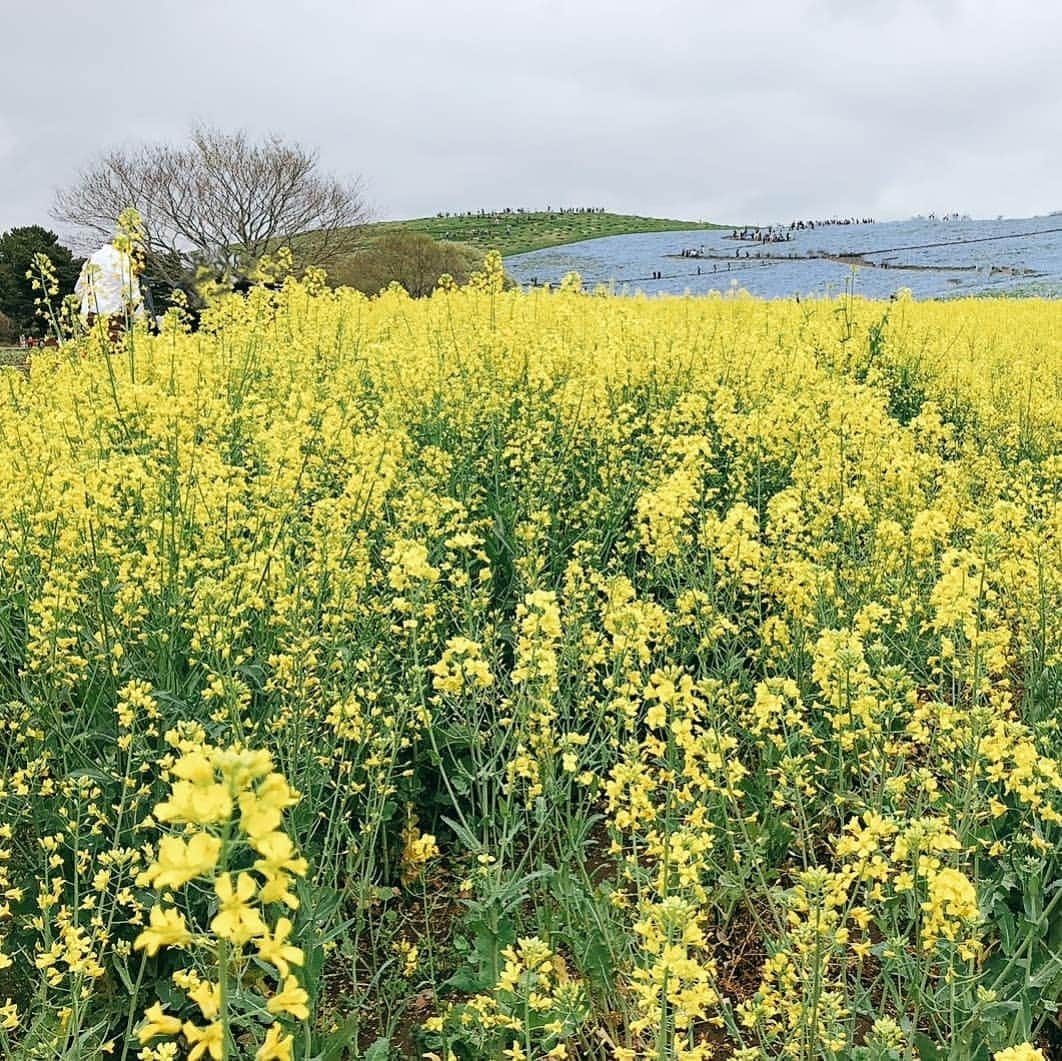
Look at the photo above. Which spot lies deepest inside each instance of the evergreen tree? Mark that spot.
(17, 248)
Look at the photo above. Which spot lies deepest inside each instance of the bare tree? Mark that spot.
(222, 200)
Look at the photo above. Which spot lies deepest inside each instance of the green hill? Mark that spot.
(515, 232)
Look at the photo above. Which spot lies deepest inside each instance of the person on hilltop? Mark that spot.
(109, 286)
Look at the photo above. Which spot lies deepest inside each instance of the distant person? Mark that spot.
(109, 288)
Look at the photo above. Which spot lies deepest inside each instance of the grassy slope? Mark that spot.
(517, 233)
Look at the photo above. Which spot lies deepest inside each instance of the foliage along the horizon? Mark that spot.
(413, 260)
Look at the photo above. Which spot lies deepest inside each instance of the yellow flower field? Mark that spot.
(550, 675)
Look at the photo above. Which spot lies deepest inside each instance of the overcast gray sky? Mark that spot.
(759, 111)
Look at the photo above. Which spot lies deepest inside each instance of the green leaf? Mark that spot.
(379, 1051)
(122, 969)
(344, 1036)
(927, 1049)
(1045, 973)
(467, 982)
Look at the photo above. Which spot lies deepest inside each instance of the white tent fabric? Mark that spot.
(107, 284)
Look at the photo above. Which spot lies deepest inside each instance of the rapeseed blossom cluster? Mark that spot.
(9, 1010)
(661, 678)
(532, 1012)
(230, 804)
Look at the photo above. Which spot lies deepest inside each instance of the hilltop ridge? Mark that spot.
(516, 231)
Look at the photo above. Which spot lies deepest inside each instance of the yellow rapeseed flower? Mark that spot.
(157, 1022)
(237, 920)
(180, 861)
(276, 1046)
(276, 950)
(290, 999)
(167, 928)
(204, 1040)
